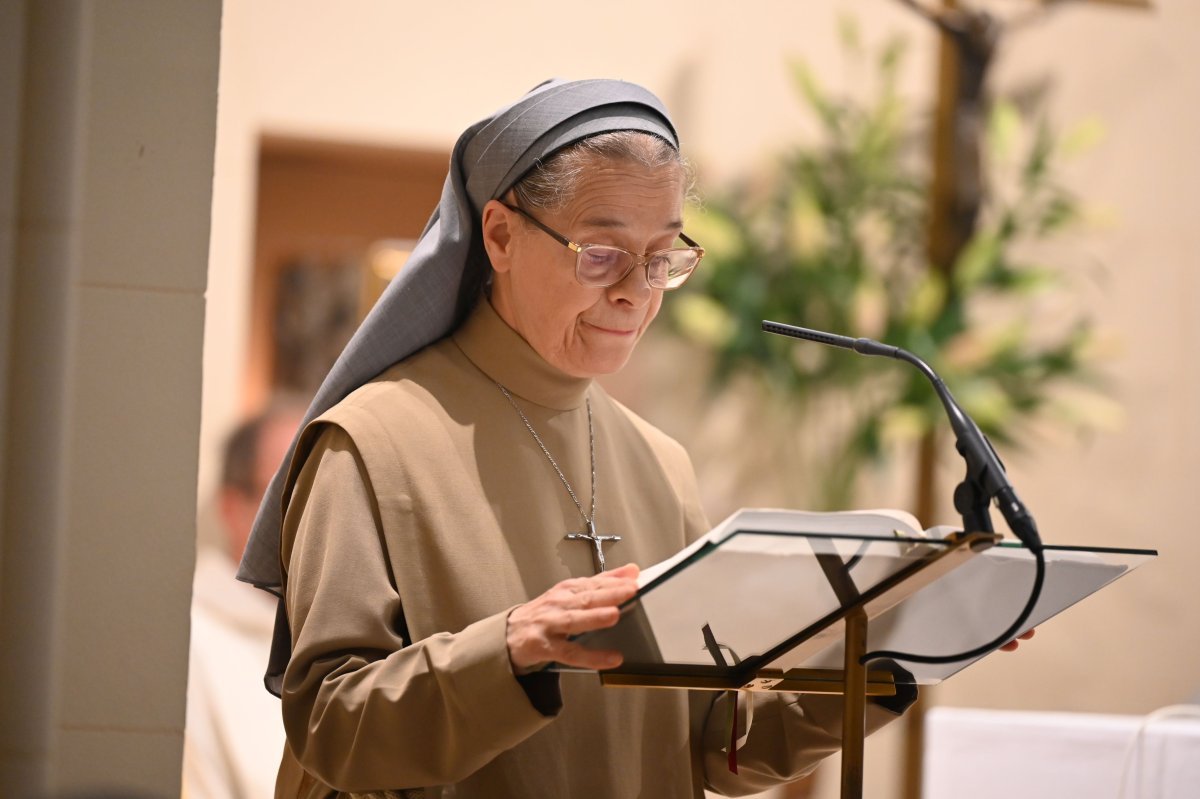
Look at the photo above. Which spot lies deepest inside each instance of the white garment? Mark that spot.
(234, 736)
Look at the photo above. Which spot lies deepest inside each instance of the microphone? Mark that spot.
(986, 481)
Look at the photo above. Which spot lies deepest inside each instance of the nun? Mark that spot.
(465, 497)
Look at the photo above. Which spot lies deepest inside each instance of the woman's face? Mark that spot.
(581, 330)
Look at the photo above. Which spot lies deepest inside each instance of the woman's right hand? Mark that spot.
(539, 631)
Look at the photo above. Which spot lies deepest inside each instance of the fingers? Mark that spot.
(1011, 646)
(572, 654)
(563, 624)
(603, 596)
(571, 613)
(533, 641)
(539, 631)
(624, 576)
(607, 588)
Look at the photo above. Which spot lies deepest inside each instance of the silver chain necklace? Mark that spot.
(589, 519)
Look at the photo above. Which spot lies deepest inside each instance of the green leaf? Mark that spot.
(1059, 212)
(848, 33)
(806, 82)
(703, 319)
(904, 424)
(985, 402)
(927, 300)
(806, 227)
(1081, 138)
(716, 232)
(1039, 155)
(1004, 129)
(891, 57)
(1029, 280)
(977, 261)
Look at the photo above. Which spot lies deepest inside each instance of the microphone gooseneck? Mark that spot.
(985, 482)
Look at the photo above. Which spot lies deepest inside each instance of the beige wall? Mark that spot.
(106, 152)
(416, 74)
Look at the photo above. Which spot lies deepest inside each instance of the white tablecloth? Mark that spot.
(990, 754)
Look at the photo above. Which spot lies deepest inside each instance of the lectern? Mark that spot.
(768, 610)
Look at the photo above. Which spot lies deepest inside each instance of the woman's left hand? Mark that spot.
(1012, 645)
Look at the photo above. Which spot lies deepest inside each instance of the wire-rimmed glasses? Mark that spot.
(603, 265)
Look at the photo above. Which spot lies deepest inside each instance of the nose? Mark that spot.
(634, 289)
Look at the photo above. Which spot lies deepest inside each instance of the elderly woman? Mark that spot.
(446, 520)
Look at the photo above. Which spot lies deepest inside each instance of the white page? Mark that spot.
(883, 522)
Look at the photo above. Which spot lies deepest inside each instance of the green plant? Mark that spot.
(834, 238)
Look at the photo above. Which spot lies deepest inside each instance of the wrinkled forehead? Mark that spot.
(550, 118)
(613, 182)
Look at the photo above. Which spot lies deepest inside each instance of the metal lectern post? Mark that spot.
(854, 704)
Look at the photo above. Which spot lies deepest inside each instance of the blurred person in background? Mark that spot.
(234, 736)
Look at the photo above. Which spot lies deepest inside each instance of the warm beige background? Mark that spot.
(416, 74)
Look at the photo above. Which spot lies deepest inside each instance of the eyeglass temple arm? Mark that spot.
(563, 240)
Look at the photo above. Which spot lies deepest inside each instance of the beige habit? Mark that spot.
(421, 512)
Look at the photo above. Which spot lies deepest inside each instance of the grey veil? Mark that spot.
(418, 307)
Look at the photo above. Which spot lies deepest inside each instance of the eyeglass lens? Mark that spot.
(598, 265)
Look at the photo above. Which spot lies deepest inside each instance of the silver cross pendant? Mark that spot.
(598, 542)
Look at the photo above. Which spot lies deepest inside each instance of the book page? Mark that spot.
(877, 522)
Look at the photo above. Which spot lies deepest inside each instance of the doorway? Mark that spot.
(334, 223)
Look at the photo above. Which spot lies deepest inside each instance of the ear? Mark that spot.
(499, 229)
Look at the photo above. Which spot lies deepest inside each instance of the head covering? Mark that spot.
(418, 306)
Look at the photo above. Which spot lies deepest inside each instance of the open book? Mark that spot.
(877, 522)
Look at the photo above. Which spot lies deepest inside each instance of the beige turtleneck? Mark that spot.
(419, 511)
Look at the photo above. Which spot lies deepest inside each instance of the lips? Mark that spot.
(613, 331)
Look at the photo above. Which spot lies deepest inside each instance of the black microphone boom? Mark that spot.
(986, 480)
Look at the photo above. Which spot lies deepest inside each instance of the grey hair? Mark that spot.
(552, 183)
